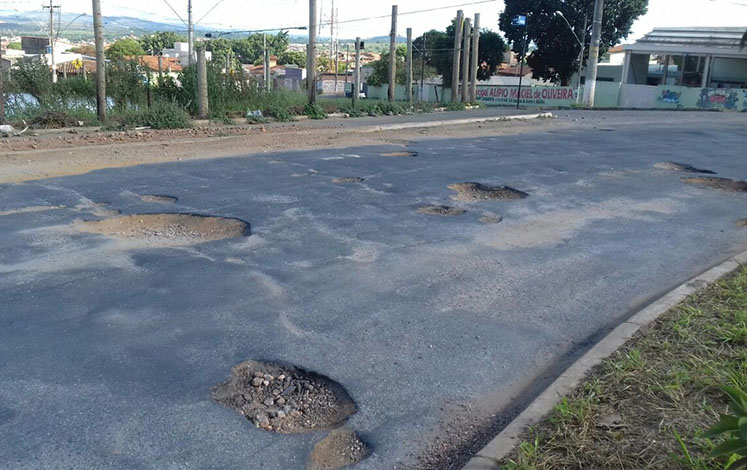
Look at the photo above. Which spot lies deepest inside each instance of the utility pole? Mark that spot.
(311, 53)
(266, 61)
(457, 54)
(2, 88)
(581, 59)
(521, 69)
(98, 34)
(475, 57)
(422, 68)
(347, 64)
(190, 33)
(393, 56)
(591, 72)
(465, 60)
(160, 68)
(202, 88)
(408, 66)
(51, 37)
(357, 72)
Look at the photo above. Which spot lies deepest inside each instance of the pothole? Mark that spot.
(305, 174)
(445, 211)
(169, 228)
(478, 192)
(400, 154)
(724, 184)
(674, 166)
(742, 223)
(340, 449)
(348, 179)
(158, 199)
(489, 218)
(285, 399)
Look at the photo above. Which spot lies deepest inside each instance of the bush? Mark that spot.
(314, 111)
(161, 116)
(256, 119)
(280, 114)
(456, 106)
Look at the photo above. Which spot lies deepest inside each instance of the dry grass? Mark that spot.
(645, 407)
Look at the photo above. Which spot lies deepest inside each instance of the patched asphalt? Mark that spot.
(109, 348)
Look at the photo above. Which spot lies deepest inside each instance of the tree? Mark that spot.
(15, 46)
(556, 55)
(124, 48)
(439, 49)
(296, 58)
(251, 48)
(380, 74)
(157, 42)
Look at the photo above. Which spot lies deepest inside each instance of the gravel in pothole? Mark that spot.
(341, 448)
(444, 211)
(285, 399)
(158, 199)
(171, 228)
(674, 166)
(490, 218)
(724, 184)
(348, 179)
(469, 192)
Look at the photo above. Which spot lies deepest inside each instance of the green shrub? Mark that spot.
(280, 114)
(456, 106)
(734, 428)
(314, 111)
(161, 116)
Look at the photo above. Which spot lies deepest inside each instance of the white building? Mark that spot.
(180, 51)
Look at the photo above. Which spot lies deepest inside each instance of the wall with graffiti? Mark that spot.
(669, 97)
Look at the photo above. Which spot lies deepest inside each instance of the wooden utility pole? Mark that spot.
(357, 71)
(475, 58)
(465, 60)
(422, 68)
(409, 65)
(98, 34)
(393, 56)
(202, 87)
(457, 55)
(311, 53)
(591, 71)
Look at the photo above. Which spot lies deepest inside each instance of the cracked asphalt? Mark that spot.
(109, 348)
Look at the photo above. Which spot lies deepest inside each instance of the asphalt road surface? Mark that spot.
(438, 327)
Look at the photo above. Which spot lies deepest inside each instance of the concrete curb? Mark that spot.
(453, 122)
(506, 441)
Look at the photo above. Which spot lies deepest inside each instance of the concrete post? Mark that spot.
(311, 53)
(666, 70)
(591, 72)
(409, 65)
(706, 72)
(474, 65)
(98, 34)
(465, 60)
(457, 56)
(393, 56)
(357, 72)
(202, 88)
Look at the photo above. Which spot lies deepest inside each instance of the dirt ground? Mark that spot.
(64, 153)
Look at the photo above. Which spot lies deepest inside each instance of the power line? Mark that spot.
(357, 20)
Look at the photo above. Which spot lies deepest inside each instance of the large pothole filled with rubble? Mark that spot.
(724, 184)
(443, 211)
(285, 399)
(341, 448)
(469, 192)
(168, 228)
(674, 166)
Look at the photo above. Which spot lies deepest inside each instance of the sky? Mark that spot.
(264, 14)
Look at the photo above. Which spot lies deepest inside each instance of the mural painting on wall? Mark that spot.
(671, 97)
(714, 98)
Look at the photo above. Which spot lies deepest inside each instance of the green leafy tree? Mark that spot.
(15, 46)
(380, 74)
(296, 58)
(438, 47)
(33, 77)
(124, 48)
(250, 49)
(157, 42)
(556, 55)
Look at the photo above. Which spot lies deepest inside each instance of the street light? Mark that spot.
(582, 43)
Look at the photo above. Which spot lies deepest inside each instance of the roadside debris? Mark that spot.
(470, 192)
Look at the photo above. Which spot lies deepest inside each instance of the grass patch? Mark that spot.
(648, 405)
